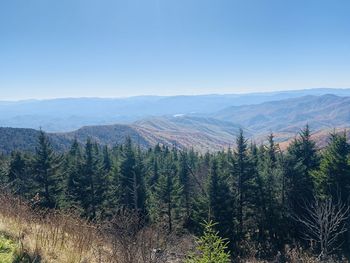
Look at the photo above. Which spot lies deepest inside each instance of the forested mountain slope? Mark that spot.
(206, 132)
(67, 114)
(289, 115)
(203, 134)
(127, 205)
(26, 139)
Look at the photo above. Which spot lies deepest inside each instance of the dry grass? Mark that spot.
(53, 236)
(63, 237)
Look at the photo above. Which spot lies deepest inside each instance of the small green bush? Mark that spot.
(211, 248)
(8, 250)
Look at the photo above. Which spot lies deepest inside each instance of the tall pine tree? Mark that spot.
(46, 173)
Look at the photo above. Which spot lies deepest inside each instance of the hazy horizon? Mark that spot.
(54, 49)
(171, 95)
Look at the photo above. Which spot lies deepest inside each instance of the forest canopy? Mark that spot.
(258, 198)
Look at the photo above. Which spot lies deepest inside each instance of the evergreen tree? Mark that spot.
(253, 193)
(333, 177)
(131, 181)
(46, 173)
(114, 190)
(127, 172)
(93, 183)
(154, 176)
(220, 201)
(186, 184)
(271, 175)
(301, 160)
(243, 180)
(73, 173)
(107, 163)
(256, 196)
(167, 196)
(138, 190)
(211, 248)
(18, 176)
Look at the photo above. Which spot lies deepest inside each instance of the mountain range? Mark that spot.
(208, 128)
(63, 115)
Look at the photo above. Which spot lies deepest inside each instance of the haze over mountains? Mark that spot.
(205, 122)
(58, 115)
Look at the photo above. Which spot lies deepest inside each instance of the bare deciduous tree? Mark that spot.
(324, 223)
(132, 242)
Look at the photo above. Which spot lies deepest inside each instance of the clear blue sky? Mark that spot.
(111, 48)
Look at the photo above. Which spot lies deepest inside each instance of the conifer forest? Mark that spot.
(252, 201)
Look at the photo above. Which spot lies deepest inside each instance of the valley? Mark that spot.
(205, 131)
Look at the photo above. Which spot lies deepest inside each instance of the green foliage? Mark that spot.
(186, 184)
(220, 200)
(9, 250)
(211, 248)
(18, 174)
(72, 196)
(167, 195)
(46, 167)
(271, 175)
(333, 177)
(252, 192)
(243, 181)
(301, 160)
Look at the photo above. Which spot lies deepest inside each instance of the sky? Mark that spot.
(112, 48)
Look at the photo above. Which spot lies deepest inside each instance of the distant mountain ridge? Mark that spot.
(205, 131)
(289, 115)
(62, 115)
(200, 133)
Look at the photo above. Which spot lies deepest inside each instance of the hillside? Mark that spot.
(106, 134)
(205, 132)
(67, 114)
(321, 137)
(201, 133)
(26, 139)
(287, 116)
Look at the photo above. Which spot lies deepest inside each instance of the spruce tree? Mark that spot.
(107, 163)
(271, 174)
(132, 192)
(301, 160)
(211, 248)
(138, 180)
(73, 173)
(167, 195)
(333, 177)
(93, 183)
(18, 175)
(256, 196)
(46, 173)
(220, 200)
(186, 184)
(242, 180)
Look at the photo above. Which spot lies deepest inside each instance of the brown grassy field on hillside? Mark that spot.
(53, 236)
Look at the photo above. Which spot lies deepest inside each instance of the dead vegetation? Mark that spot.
(54, 236)
(63, 237)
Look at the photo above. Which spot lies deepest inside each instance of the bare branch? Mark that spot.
(324, 223)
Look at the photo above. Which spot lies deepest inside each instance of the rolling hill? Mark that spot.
(202, 134)
(288, 116)
(205, 131)
(62, 115)
(26, 139)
